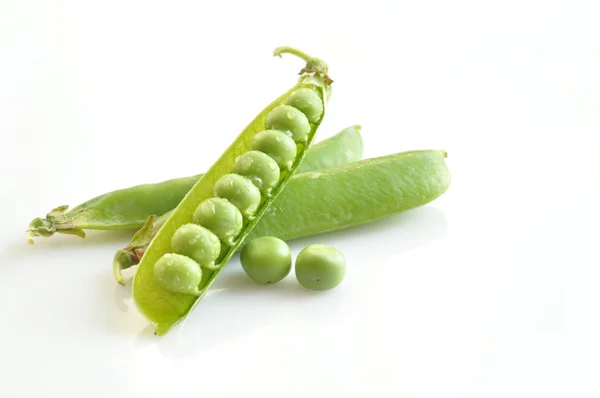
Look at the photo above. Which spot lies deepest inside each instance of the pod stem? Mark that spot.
(132, 254)
(124, 259)
(313, 65)
(294, 51)
(56, 221)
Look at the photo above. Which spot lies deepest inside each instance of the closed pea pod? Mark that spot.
(289, 119)
(197, 243)
(260, 168)
(131, 207)
(277, 145)
(240, 191)
(164, 308)
(354, 194)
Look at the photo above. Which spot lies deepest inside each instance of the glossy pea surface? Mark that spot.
(290, 119)
(197, 243)
(177, 273)
(307, 101)
(260, 168)
(320, 267)
(278, 145)
(221, 217)
(266, 260)
(240, 191)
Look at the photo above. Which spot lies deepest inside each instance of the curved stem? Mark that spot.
(122, 260)
(30, 236)
(313, 65)
(290, 50)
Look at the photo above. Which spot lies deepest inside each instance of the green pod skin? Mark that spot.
(278, 145)
(260, 168)
(159, 306)
(240, 191)
(322, 157)
(354, 194)
(289, 119)
(130, 207)
(337, 198)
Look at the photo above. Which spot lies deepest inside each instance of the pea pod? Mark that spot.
(130, 207)
(333, 199)
(163, 304)
(354, 194)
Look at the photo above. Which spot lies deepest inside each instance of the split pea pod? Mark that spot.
(168, 284)
(336, 198)
(130, 207)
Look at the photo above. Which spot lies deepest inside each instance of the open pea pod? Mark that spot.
(163, 307)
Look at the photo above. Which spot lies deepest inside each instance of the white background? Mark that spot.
(490, 291)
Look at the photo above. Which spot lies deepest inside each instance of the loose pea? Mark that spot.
(288, 118)
(320, 267)
(278, 145)
(221, 217)
(260, 168)
(177, 273)
(266, 260)
(308, 101)
(198, 243)
(240, 191)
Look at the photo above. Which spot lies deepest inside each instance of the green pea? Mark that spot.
(260, 168)
(266, 260)
(198, 243)
(278, 145)
(240, 191)
(308, 101)
(320, 267)
(221, 217)
(289, 119)
(177, 273)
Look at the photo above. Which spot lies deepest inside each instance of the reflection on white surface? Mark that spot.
(235, 306)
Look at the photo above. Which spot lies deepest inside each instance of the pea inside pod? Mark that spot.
(260, 168)
(289, 119)
(307, 101)
(221, 217)
(240, 191)
(278, 145)
(197, 243)
(178, 274)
